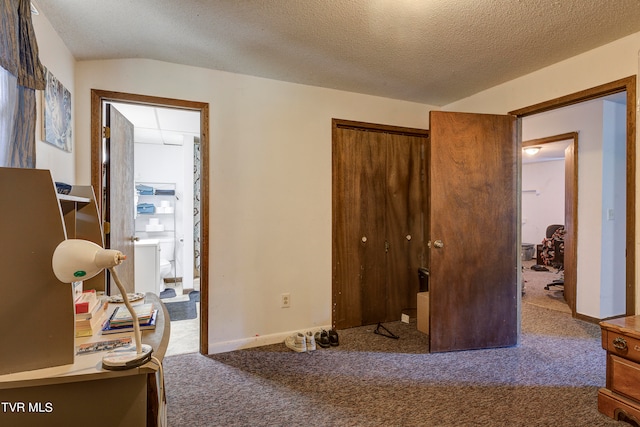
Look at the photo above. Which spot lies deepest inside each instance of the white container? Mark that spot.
(154, 227)
(154, 221)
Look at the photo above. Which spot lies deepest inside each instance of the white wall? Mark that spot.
(56, 57)
(270, 183)
(613, 212)
(545, 205)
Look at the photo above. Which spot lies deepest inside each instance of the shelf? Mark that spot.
(69, 198)
(155, 213)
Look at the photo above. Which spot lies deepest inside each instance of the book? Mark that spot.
(95, 310)
(88, 327)
(108, 328)
(122, 317)
(85, 301)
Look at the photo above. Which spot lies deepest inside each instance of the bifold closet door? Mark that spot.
(358, 238)
(404, 228)
(378, 245)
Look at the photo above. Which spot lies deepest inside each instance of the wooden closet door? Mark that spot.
(373, 260)
(358, 234)
(378, 202)
(405, 196)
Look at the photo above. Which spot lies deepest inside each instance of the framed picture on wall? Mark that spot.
(57, 113)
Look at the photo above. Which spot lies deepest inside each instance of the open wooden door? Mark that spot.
(570, 213)
(119, 206)
(473, 289)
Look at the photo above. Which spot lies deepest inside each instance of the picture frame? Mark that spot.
(57, 113)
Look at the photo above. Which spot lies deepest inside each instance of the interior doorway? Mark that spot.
(177, 197)
(549, 199)
(628, 87)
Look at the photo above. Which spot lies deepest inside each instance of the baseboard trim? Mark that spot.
(257, 341)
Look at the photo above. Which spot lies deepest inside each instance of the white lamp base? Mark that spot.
(126, 358)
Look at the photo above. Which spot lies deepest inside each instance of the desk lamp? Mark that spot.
(75, 260)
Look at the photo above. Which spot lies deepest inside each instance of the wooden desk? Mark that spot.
(620, 400)
(83, 393)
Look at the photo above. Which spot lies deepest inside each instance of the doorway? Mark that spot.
(194, 194)
(628, 86)
(549, 198)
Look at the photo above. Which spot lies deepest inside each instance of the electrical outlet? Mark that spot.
(285, 301)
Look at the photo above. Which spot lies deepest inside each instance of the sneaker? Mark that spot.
(333, 338)
(322, 338)
(296, 342)
(311, 341)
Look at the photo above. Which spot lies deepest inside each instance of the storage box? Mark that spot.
(423, 312)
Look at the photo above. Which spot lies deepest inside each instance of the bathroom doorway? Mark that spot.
(166, 173)
(169, 212)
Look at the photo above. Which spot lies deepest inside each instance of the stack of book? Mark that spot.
(121, 320)
(89, 313)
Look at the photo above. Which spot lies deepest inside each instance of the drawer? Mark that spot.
(625, 377)
(618, 407)
(623, 346)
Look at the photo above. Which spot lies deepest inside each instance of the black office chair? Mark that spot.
(553, 251)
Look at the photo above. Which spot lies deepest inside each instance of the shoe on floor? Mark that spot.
(296, 342)
(311, 341)
(333, 338)
(322, 338)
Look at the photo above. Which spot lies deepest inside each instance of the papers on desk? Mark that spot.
(93, 347)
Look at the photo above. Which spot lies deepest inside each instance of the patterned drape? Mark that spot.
(19, 56)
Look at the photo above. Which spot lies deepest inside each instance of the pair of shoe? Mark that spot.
(326, 339)
(301, 342)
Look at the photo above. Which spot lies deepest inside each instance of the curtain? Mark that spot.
(8, 111)
(19, 58)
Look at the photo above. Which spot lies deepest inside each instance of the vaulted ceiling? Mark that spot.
(429, 51)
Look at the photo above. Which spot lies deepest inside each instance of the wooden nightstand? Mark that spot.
(620, 400)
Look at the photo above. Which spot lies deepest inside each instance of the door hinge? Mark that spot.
(106, 227)
(106, 132)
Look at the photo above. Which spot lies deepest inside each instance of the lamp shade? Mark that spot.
(75, 260)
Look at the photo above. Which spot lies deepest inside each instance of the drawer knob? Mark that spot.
(620, 344)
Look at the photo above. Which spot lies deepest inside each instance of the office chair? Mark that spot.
(553, 252)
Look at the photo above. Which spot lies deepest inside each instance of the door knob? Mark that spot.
(438, 244)
(135, 238)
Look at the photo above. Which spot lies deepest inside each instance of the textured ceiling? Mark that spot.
(429, 51)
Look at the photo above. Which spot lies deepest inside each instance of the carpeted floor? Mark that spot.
(550, 379)
(535, 294)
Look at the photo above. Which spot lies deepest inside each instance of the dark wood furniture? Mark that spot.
(620, 399)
